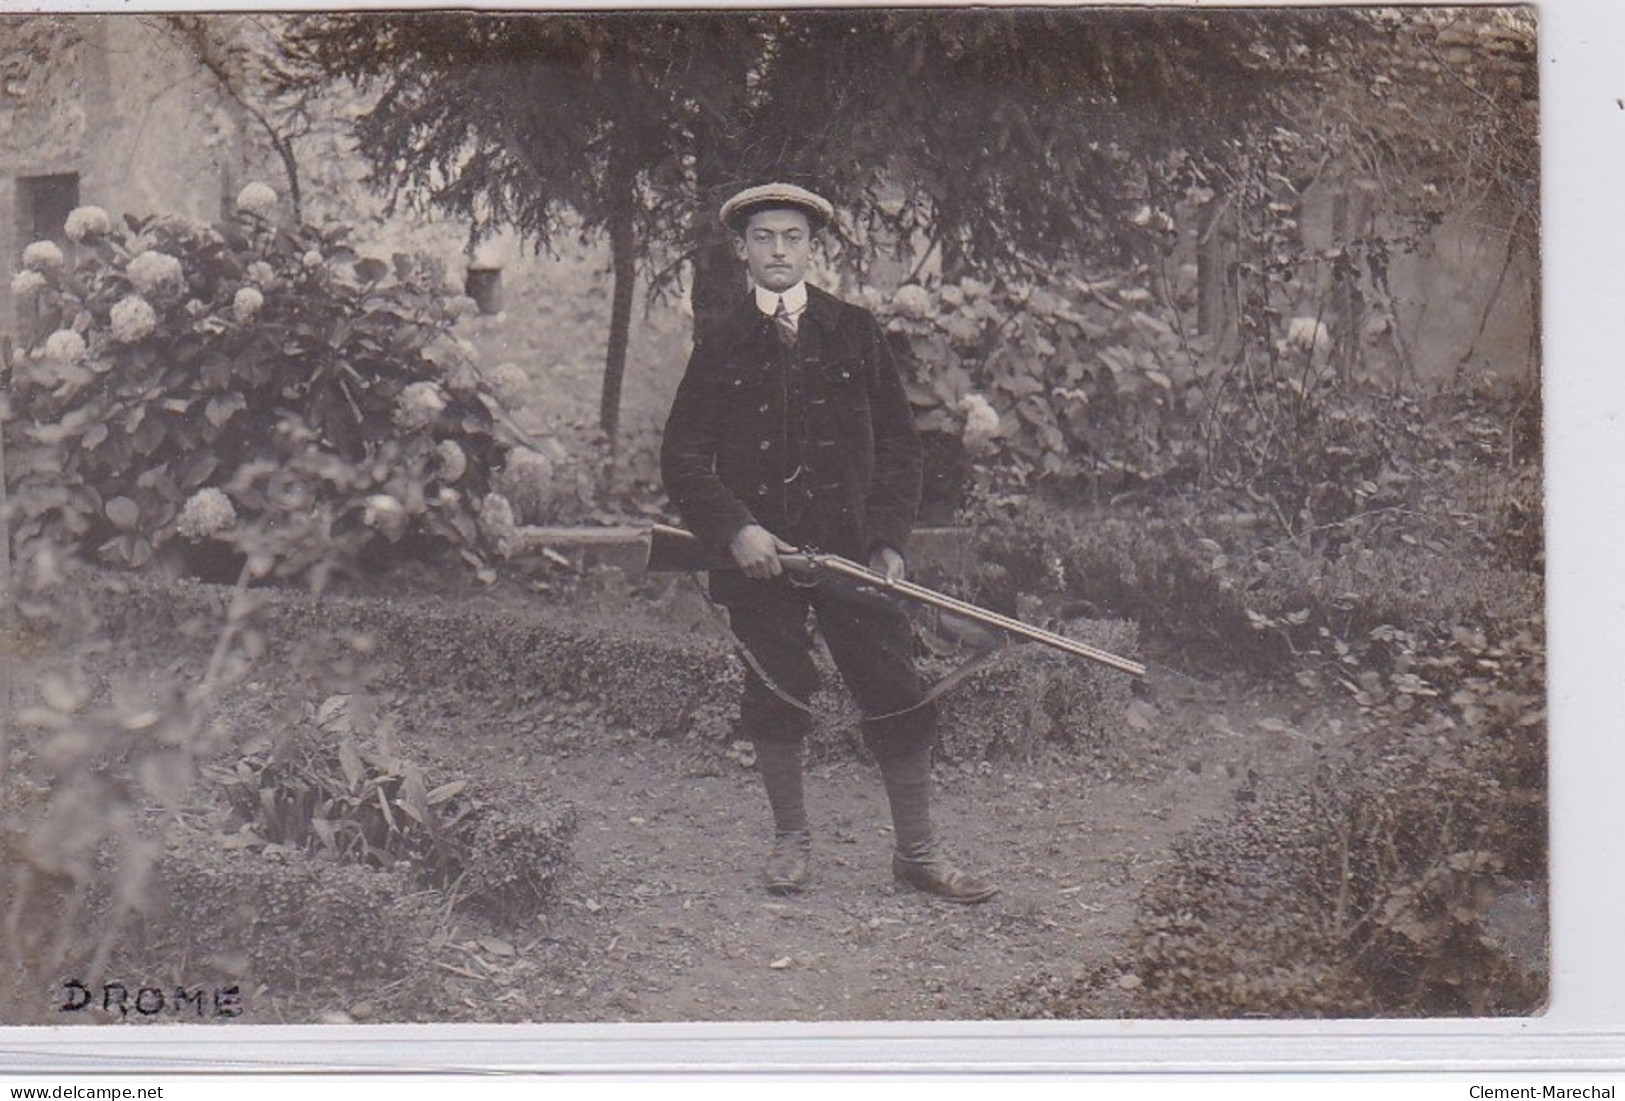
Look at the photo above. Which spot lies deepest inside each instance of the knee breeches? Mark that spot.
(871, 644)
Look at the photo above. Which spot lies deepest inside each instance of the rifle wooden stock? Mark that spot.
(675, 550)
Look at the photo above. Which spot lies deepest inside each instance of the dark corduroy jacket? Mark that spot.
(722, 457)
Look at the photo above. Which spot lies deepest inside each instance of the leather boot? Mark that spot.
(918, 861)
(779, 762)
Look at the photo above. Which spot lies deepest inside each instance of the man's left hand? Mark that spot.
(887, 561)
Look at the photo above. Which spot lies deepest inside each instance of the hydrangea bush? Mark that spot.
(1098, 390)
(1044, 383)
(255, 389)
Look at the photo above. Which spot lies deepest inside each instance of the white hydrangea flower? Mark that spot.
(26, 284)
(497, 522)
(525, 465)
(312, 260)
(527, 481)
(981, 422)
(449, 497)
(65, 347)
(155, 273)
(453, 463)
(258, 199)
(246, 304)
(462, 306)
(912, 300)
(974, 288)
(1308, 333)
(461, 376)
(132, 319)
(510, 384)
(43, 256)
(208, 512)
(87, 221)
(387, 514)
(419, 404)
(962, 329)
(261, 273)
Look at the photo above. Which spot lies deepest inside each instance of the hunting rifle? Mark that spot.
(673, 550)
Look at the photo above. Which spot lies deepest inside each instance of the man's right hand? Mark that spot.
(756, 550)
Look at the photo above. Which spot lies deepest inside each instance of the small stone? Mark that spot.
(780, 964)
(361, 1011)
(1130, 982)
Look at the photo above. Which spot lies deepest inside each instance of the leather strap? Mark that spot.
(976, 663)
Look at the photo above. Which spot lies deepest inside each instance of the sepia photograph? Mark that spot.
(798, 515)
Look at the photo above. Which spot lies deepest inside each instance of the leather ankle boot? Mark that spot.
(786, 870)
(779, 762)
(918, 861)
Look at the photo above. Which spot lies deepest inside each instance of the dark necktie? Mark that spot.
(784, 325)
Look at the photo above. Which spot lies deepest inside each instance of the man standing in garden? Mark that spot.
(791, 429)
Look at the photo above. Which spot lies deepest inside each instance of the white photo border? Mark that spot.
(1582, 74)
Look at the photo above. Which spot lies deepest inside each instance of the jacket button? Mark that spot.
(765, 444)
(761, 491)
(764, 407)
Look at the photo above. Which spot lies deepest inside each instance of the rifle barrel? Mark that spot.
(672, 542)
(971, 611)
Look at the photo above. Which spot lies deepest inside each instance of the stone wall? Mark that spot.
(117, 102)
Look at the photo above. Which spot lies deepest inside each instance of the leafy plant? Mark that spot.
(75, 820)
(1380, 879)
(321, 789)
(188, 384)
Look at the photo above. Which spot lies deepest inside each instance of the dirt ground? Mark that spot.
(665, 917)
(661, 914)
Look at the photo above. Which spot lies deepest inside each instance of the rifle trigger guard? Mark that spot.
(811, 573)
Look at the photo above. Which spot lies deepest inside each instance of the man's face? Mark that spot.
(776, 247)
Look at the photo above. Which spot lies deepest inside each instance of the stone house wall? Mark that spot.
(110, 111)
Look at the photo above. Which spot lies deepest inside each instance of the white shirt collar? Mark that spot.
(795, 299)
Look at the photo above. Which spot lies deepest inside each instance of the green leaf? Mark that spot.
(446, 791)
(334, 714)
(62, 693)
(148, 436)
(197, 469)
(414, 799)
(371, 270)
(350, 764)
(221, 409)
(389, 815)
(123, 512)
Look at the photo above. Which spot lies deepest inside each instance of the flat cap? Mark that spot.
(817, 208)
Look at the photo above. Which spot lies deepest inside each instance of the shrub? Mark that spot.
(1379, 879)
(94, 760)
(247, 388)
(320, 790)
(1094, 393)
(277, 918)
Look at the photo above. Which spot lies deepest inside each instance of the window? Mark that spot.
(44, 203)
